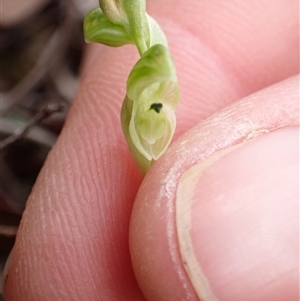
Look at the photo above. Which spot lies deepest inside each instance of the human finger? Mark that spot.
(89, 180)
(217, 218)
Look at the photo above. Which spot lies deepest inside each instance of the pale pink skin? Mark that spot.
(73, 239)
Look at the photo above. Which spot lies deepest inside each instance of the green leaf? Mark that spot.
(98, 29)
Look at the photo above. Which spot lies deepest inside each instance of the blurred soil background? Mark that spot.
(41, 47)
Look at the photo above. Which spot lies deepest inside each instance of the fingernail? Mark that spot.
(237, 220)
(6, 271)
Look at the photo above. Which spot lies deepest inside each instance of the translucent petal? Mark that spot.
(151, 132)
(152, 125)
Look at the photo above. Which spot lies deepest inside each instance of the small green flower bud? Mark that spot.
(98, 29)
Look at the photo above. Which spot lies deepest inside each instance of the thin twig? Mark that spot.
(44, 113)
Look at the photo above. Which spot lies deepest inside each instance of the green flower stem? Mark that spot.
(152, 95)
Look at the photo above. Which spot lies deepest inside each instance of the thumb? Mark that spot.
(217, 217)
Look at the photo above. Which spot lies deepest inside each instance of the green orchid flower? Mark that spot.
(99, 29)
(152, 95)
(147, 115)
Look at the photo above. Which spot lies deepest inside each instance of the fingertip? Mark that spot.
(237, 220)
(156, 256)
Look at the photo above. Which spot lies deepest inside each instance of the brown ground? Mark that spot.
(41, 46)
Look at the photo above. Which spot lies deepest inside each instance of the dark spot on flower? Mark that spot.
(156, 107)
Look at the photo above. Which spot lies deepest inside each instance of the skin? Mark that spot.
(89, 232)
